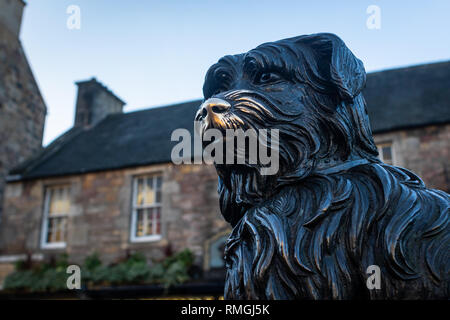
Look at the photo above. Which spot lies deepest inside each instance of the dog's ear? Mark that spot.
(337, 64)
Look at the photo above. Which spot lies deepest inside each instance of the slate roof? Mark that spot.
(397, 99)
(119, 141)
(408, 97)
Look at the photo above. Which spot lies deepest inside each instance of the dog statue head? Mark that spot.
(309, 88)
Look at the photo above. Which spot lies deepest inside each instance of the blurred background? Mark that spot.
(90, 92)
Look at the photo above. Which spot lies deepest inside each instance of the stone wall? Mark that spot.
(100, 214)
(425, 151)
(11, 15)
(22, 109)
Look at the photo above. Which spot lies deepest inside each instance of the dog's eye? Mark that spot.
(267, 77)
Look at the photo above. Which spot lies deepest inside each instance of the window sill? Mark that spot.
(146, 239)
(56, 245)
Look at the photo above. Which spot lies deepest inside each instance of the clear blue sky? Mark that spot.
(152, 52)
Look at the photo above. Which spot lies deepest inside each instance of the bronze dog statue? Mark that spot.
(333, 209)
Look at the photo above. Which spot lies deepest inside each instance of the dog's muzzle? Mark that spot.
(211, 113)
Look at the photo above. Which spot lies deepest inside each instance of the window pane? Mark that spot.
(387, 153)
(158, 227)
(49, 231)
(65, 201)
(149, 191)
(148, 213)
(56, 216)
(140, 192)
(158, 196)
(157, 220)
(56, 231)
(53, 203)
(140, 223)
(158, 182)
(59, 202)
(149, 222)
(64, 228)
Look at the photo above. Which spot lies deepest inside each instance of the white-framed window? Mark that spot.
(386, 152)
(56, 211)
(146, 208)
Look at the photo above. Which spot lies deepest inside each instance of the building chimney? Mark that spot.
(94, 103)
(11, 15)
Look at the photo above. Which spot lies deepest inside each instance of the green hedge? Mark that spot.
(50, 277)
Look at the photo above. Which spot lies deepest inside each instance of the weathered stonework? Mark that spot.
(425, 151)
(100, 214)
(22, 109)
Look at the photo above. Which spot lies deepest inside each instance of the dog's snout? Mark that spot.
(213, 114)
(214, 106)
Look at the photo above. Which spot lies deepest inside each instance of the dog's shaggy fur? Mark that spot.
(333, 209)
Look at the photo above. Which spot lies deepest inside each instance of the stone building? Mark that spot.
(108, 184)
(22, 109)
(409, 110)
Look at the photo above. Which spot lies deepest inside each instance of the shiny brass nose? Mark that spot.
(214, 106)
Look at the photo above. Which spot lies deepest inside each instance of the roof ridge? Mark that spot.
(411, 66)
(178, 104)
